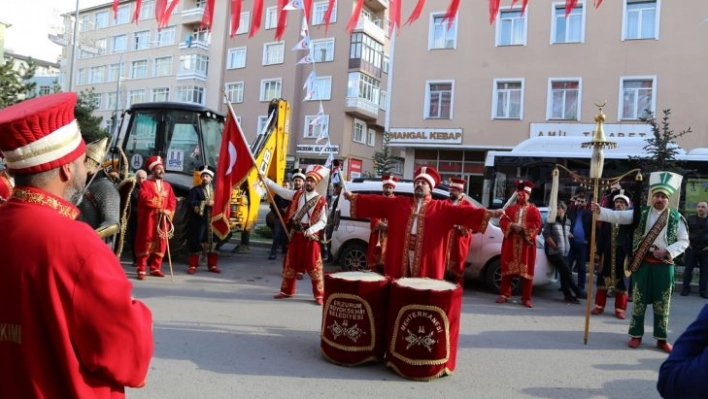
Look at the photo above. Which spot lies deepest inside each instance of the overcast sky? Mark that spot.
(33, 20)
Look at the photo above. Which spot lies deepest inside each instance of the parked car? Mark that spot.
(350, 241)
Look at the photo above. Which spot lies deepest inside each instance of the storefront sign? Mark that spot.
(612, 130)
(317, 149)
(425, 136)
(355, 166)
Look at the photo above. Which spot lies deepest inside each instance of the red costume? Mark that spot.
(460, 238)
(151, 237)
(518, 257)
(306, 216)
(418, 252)
(377, 238)
(69, 327)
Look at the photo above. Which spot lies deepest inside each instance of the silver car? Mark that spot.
(351, 236)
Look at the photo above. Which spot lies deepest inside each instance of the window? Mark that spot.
(141, 40)
(200, 35)
(44, 90)
(386, 63)
(511, 28)
(101, 46)
(123, 15)
(96, 100)
(316, 126)
(319, 9)
(270, 89)
(161, 94)
(136, 96)
(363, 86)
(322, 50)
(190, 94)
(138, 69)
(147, 11)
(111, 101)
(243, 23)
(321, 89)
(114, 72)
(194, 63)
(365, 53)
(383, 102)
(508, 99)
(97, 74)
(641, 19)
(564, 100)
(166, 36)
(85, 23)
(271, 17)
(273, 53)
(358, 132)
(440, 36)
(236, 58)
(100, 19)
(234, 92)
(438, 100)
(636, 97)
(571, 29)
(262, 120)
(163, 66)
(371, 138)
(120, 43)
(81, 76)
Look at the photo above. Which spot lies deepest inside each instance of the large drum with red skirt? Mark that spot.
(423, 327)
(354, 317)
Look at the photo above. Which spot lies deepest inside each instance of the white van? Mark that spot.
(351, 236)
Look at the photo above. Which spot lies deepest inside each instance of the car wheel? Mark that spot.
(493, 278)
(353, 257)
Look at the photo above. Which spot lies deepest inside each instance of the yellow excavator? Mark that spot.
(188, 136)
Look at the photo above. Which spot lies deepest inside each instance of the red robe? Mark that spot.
(518, 257)
(432, 230)
(458, 246)
(69, 327)
(377, 244)
(150, 202)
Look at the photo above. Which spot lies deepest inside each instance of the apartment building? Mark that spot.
(462, 90)
(127, 63)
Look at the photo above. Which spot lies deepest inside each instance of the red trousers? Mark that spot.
(303, 254)
(526, 287)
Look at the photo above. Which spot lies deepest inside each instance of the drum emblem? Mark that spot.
(343, 330)
(424, 340)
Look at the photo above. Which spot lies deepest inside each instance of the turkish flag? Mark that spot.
(235, 161)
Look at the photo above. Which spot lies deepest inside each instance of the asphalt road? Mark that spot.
(223, 336)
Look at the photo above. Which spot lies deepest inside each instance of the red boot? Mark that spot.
(620, 305)
(193, 263)
(600, 301)
(212, 260)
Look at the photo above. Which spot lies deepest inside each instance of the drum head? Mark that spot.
(426, 284)
(358, 276)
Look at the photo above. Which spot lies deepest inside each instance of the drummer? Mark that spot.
(418, 226)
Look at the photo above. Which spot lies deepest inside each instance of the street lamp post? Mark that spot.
(74, 47)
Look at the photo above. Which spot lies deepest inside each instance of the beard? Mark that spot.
(454, 197)
(75, 191)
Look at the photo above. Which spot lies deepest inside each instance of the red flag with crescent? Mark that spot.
(235, 161)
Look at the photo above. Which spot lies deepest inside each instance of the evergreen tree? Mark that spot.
(661, 147)
(14, 84)
(383, 161)
(90, 125)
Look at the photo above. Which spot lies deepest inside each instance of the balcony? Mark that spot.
(194, 44)
(362, 108)
(191, 75)
(192, 15)
(375, 29)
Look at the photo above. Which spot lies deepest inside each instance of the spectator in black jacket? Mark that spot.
(697, 252)
(556, 234)
(580, 229)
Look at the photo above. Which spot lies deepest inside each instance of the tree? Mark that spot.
(383, 161)
(90, 125)
(661, 147)
(14, 83)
